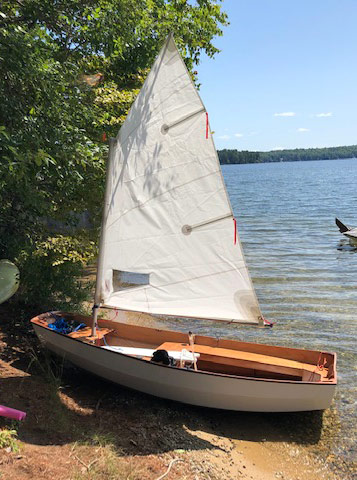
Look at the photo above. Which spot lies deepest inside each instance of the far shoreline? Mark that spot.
(236, 157)
(286, 161)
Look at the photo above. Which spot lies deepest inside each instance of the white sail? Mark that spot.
(168, 225)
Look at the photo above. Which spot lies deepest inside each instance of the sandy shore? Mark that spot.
(79, 426)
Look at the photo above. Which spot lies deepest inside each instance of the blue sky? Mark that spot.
(286, 76)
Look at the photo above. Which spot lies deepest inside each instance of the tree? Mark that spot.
(70, 71)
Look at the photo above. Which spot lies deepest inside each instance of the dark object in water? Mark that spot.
(341, 226)
(350, 233)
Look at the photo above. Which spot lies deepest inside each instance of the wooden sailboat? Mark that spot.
(169, 246)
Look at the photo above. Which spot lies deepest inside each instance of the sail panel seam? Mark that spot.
(160, 194)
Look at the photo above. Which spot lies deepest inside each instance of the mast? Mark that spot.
(100, 263)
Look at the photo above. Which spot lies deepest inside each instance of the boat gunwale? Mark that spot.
(333, 382)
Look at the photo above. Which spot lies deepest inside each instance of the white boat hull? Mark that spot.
(197, 388)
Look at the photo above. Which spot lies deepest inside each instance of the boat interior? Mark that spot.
(203, 353)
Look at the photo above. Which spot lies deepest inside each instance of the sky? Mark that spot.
(286, 76)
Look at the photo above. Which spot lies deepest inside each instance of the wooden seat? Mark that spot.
(245, 359)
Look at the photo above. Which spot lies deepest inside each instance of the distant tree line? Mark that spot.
(298, 154)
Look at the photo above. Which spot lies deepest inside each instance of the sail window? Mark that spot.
(125, 280)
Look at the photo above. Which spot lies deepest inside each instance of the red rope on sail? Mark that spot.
(206, 125)
(235, 230)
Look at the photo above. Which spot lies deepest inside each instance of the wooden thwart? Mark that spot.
(246, 359)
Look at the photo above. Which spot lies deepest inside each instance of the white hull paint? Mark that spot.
(187, 386)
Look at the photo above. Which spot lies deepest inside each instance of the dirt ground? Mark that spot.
(81, 427)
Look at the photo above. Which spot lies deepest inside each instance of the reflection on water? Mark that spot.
(346, 246)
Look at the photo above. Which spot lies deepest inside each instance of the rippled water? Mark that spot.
(303, 269)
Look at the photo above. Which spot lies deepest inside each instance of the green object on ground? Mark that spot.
(9, 279)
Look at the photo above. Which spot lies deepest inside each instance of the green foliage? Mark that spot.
(50, 271)
(8, 439)
(70, 71)
(297, 155)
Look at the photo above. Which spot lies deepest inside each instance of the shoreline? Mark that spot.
(87, 424)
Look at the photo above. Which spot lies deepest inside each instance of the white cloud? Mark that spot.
(278, 148)
(285, 114)
(224, 137)
(328, 114)
(303, 129)
(238, 135)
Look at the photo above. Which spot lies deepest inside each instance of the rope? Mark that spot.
(319, 366)
(116, 312)
(105, 342)
(169, 468)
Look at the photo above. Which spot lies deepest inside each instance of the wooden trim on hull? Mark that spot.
(208, 389)
(155, 337)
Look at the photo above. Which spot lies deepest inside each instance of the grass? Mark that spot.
(104, 464)
(51, 368)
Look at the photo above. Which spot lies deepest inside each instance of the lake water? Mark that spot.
(303, 269)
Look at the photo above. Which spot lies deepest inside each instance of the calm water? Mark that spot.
(303, 269)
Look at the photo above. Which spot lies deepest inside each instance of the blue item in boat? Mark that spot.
(61, 326)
